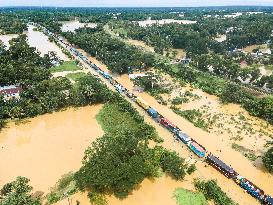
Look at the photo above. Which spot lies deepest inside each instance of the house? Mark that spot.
(11, 91)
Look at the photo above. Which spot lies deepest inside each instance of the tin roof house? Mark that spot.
(11, 91)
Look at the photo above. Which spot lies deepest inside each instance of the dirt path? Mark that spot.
(47, 146)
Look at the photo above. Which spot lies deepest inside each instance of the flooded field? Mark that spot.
(6, 38)
(73, 25)
(215, 143)
(149, 22)
(159, 191)
(40, 41)
(48, 146)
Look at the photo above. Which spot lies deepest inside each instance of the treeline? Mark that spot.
(117, 55)
(226, 67)
(166, 36)
(11, 25)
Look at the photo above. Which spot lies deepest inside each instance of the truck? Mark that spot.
(251, 188)
(142, 103)
(152, 112)
(221, 166)
(268, 200)
(183, 137)
(198, 149)
(105, 75)
(169, 125)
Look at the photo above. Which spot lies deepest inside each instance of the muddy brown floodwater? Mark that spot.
(48, 146)
(213, 142)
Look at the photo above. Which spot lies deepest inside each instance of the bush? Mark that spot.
(191, 169)
(97, 198)
(268, 160)
(172, 164)
(213, 192)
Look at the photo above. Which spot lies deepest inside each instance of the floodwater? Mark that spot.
(40, 41)
(159, 191)
(213, 142)
(149, 22)
(48, 146)
(73, 25)
(6, 38)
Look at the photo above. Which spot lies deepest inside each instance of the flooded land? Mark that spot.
(149, 22)
(48, 146)
(6, 38)
(41, 42)
(73, 25)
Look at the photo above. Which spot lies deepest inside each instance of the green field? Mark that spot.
(186, 197)
(66, 66)
(75, 76)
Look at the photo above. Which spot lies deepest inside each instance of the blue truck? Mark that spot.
(152, 112)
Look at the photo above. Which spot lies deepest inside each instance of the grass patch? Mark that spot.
(250, 154)
(194, 116)
(186, 197)
(65, 66)
(65, 185)
(112, 119)
(75, 76)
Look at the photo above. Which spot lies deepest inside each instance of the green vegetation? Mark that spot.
(213, 192)
(186, 197)
(268, 159)
(18, 193)
(117, 55)
(65, 66)
(65, 185)
(194, 116)
(112, 163)
(250, 154)
(172, 164)
(10, 24)
(76, 76)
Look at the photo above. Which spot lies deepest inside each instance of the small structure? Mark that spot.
(11, 91)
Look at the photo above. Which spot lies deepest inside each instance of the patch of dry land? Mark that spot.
(41, 42)
(48, 146)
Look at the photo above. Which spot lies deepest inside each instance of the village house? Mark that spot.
(11, 91)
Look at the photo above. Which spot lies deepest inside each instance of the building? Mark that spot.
(11, 91)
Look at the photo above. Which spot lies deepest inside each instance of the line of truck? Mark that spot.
(193, 145)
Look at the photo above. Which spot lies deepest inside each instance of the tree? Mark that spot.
(172, 164)
(18, 193)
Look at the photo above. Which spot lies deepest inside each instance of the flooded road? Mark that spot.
(47, 146)
(41, 42)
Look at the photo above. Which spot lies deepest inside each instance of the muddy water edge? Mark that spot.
(48, 146)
